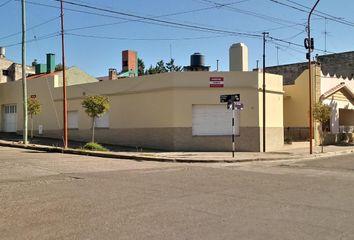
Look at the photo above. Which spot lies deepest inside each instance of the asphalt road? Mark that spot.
(55, 196)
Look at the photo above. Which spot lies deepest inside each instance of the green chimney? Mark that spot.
(50, 62)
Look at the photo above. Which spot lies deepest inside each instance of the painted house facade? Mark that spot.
(176, 111)
(332, 84)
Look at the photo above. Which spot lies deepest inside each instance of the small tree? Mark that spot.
(33, 108)
(59, 67)
(172, 67)
(322, 114)
(95, 107)
(141, 67)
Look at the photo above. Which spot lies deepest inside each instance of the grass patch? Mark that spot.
(91, 146)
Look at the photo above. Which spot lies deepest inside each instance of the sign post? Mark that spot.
(233, 102)
(233, 129)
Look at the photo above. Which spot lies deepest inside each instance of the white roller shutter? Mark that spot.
(213, 120)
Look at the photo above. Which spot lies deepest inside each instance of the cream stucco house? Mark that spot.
(332, 84)
(176, 111)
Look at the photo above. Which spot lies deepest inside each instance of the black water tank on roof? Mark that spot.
(197, 60)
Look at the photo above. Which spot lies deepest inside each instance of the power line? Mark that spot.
(147, 39)
(6, 2)
(294, 36)
(295, 44)
(30, 28)
(254, 14)
(159, 16)
(159, 21)
(129, 19)
(51, 35)
(317, 13)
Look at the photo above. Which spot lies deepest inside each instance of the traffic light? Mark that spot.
(310, 44)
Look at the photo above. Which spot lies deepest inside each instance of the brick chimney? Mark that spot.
(129, 61)
(112, 74)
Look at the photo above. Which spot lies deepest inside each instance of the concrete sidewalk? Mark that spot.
(294, 151)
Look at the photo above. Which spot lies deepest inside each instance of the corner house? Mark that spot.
(176, 111)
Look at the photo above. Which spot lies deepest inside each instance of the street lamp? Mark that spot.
(309, 45)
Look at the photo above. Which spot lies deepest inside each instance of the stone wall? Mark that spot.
(338, 64)
(290, 72)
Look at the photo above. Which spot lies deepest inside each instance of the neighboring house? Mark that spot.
(11, 71)
(40, 86)
(129, 67)
(178, 111)
(332, 83)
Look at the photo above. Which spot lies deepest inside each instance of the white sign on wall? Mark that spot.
(216, 82)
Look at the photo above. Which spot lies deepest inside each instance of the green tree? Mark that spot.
(159, 68)
(34, 108)
(141, 67)
(162, 67)
(59, 67)
(171, 67)
(322, 114)
(95, 107)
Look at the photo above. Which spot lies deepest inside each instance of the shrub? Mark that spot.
(95, 147)
(288, 140)
(343, 138)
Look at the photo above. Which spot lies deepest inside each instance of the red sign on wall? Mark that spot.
(216, 82)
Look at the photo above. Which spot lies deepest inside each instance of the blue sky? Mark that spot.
(95, 49)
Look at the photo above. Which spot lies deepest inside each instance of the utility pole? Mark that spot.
(264, 92)
(24, 80)
(65, 104)
(309, 44)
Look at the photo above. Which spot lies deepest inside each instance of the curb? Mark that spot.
(161, 159)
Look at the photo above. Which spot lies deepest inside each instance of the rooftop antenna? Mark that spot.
(325, 33)
(277, 47)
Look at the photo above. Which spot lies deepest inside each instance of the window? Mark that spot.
(73, 120)
(10, 109)
(5, 72)
(103, 121)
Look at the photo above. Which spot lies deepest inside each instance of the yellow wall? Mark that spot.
(153, 101)
(274, 100)
(296, 102)
(162, 100)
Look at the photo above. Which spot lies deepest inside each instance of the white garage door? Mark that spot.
(213, 120)
(10, 118)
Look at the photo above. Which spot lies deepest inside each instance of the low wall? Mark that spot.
(297, 133)
(336, 138)
(175, 139)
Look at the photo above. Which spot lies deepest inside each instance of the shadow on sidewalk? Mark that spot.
(72, 144)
